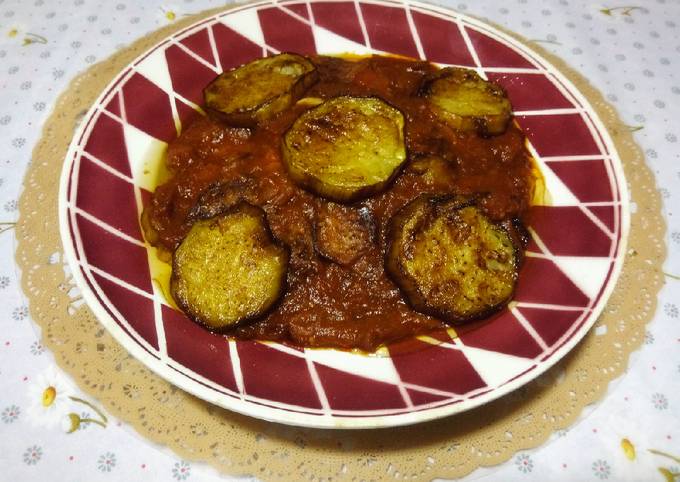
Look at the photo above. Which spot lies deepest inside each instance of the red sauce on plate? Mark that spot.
(327, 304)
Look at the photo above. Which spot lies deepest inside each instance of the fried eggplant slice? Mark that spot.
(465, 101)
(229, 269)
(346, 149)
(342, 234)
(435, 171)
(258, 90)
(450, 260)
(219, 197)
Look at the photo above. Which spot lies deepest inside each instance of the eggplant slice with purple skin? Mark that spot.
(464, 101)
(229, 269)
(260, 89)
(346, 149)
(450, 260)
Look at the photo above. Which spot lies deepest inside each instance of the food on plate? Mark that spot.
(361, 201)
(465, 101)
(347, 148)
(449, 259)
(342, 233)
(260, 89)
(228, 268)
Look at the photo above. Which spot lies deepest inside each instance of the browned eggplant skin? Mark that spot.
(268, 238)
(249, 118)
(409, 287)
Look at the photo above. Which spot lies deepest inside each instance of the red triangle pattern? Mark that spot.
(199, 43)
(186, 113)
(419, 398)
(198, 349)
(441, 40)
(114, 255)
(531, 91)
(276, 27)
(447, 369)
(96, 197)
(114, 105)
(588, 180)
(567, 231)
(388, 29)
(234, 49)
(340, 18)
(345, 391)
(299, 8)
(274, 375)
(188, 75)
(107, 143)
(137, 310)
(541, 281)
(606, 214)
(559, 135)
(551, 325)
(492, 53)
(503, 334)
(147, 108)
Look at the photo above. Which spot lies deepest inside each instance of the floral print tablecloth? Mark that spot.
(50, 431)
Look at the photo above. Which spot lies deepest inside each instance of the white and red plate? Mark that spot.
(571, 266)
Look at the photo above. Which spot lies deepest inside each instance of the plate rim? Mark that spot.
(329, 420)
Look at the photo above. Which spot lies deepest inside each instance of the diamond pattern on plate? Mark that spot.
(107, 143)
(142, 96)
(346, 391)
(205, 353)
(189, 76)
(495, 368)
(550, 324)
(340, 18)
(530, 91)
(199, 43)
(559, 135)
(587, 273)
(588, 179)
(492, 53)
(541, 281)
(438, 375)
(568, 231)
(275, 375)
(276, 27)
(419, 397)
(327, 41)
(136, 309)
(185, 113)
(233, 48)
(606, 214)
(388, 29)
(114, 255)
(298, 8)
(113, 105)
(441, 40)
(503, 334)
(89, 198)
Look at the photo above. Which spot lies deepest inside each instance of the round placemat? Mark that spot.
(236, 444)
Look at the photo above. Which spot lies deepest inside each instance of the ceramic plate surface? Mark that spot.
(572, 263)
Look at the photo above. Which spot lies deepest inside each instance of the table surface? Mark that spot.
(630, 53)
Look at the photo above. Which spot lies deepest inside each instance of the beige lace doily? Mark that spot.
(235, 444)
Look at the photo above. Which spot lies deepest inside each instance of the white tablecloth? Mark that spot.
(631, 54)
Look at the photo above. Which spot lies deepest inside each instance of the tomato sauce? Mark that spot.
(327, 304)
